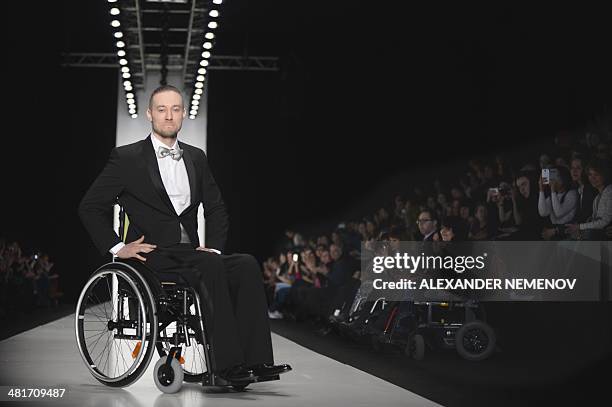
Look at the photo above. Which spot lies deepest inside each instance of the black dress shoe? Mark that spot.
(237, 373)
(263, 370)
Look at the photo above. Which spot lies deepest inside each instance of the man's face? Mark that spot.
(166, 114)
(426, 223)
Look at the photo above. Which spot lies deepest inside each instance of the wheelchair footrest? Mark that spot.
(219, 381)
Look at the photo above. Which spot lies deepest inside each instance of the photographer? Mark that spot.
(500, 201)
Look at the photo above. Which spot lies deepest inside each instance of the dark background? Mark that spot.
(371, 98)
(367, 91)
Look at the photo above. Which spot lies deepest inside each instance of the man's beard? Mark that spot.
(166, 133)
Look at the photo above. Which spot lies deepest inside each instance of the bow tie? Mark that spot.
(175, 153)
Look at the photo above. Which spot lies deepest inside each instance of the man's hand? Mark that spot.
(206, 249)
(131, 250)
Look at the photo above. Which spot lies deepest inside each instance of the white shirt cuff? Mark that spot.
(115, 249)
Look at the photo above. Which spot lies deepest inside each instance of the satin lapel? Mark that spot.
(191, 173)
(151, 160)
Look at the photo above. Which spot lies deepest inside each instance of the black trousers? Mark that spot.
(232, 298)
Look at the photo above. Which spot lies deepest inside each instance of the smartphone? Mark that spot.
(494, 191)
(295, 257)
(545, 176)
(553, 174)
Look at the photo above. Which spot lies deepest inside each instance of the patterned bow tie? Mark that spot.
(175, 153)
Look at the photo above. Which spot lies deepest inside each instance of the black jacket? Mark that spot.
(132, 179)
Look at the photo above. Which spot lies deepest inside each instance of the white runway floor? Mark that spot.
(48, 356)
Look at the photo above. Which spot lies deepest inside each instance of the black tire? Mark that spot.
(416, 347)
(128, 273)
(475, 341)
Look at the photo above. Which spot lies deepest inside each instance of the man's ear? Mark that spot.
(184, 112)
(149, 115)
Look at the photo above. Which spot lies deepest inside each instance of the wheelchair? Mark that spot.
(412, 326)
(126, 312)
(458, 325)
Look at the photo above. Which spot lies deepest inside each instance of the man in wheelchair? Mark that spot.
(160, 182)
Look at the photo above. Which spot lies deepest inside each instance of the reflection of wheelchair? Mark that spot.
(126, 311)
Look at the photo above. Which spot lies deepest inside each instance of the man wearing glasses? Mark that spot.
(428, 225)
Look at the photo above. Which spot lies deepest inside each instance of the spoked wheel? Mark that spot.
(114, 326)
(193, 359)
(475, 341)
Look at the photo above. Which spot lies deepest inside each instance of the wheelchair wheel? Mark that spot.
(240, 387)
(193, 357)
(475, 341)
(116, 325)
(168, 378)
(415, 347)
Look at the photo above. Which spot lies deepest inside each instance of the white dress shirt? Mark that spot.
(176, 182)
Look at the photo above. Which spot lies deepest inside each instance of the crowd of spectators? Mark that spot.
(27, 281)
(565, 193)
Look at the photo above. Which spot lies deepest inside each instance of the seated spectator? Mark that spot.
(586, 192)
(481, 228)
(525, 207)
(594, 228)
(500, 207)
(560, 206)
(428, 225)
(454, 229)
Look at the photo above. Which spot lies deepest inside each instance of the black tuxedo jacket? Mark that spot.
(132, 179)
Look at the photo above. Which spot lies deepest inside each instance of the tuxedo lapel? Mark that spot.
(153, 169)
(191, 173)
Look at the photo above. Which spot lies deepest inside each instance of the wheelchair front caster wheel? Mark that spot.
(168, 378)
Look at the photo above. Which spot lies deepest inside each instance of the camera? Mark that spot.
(295, 257)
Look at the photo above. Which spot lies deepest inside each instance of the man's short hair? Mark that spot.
(165, 88)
